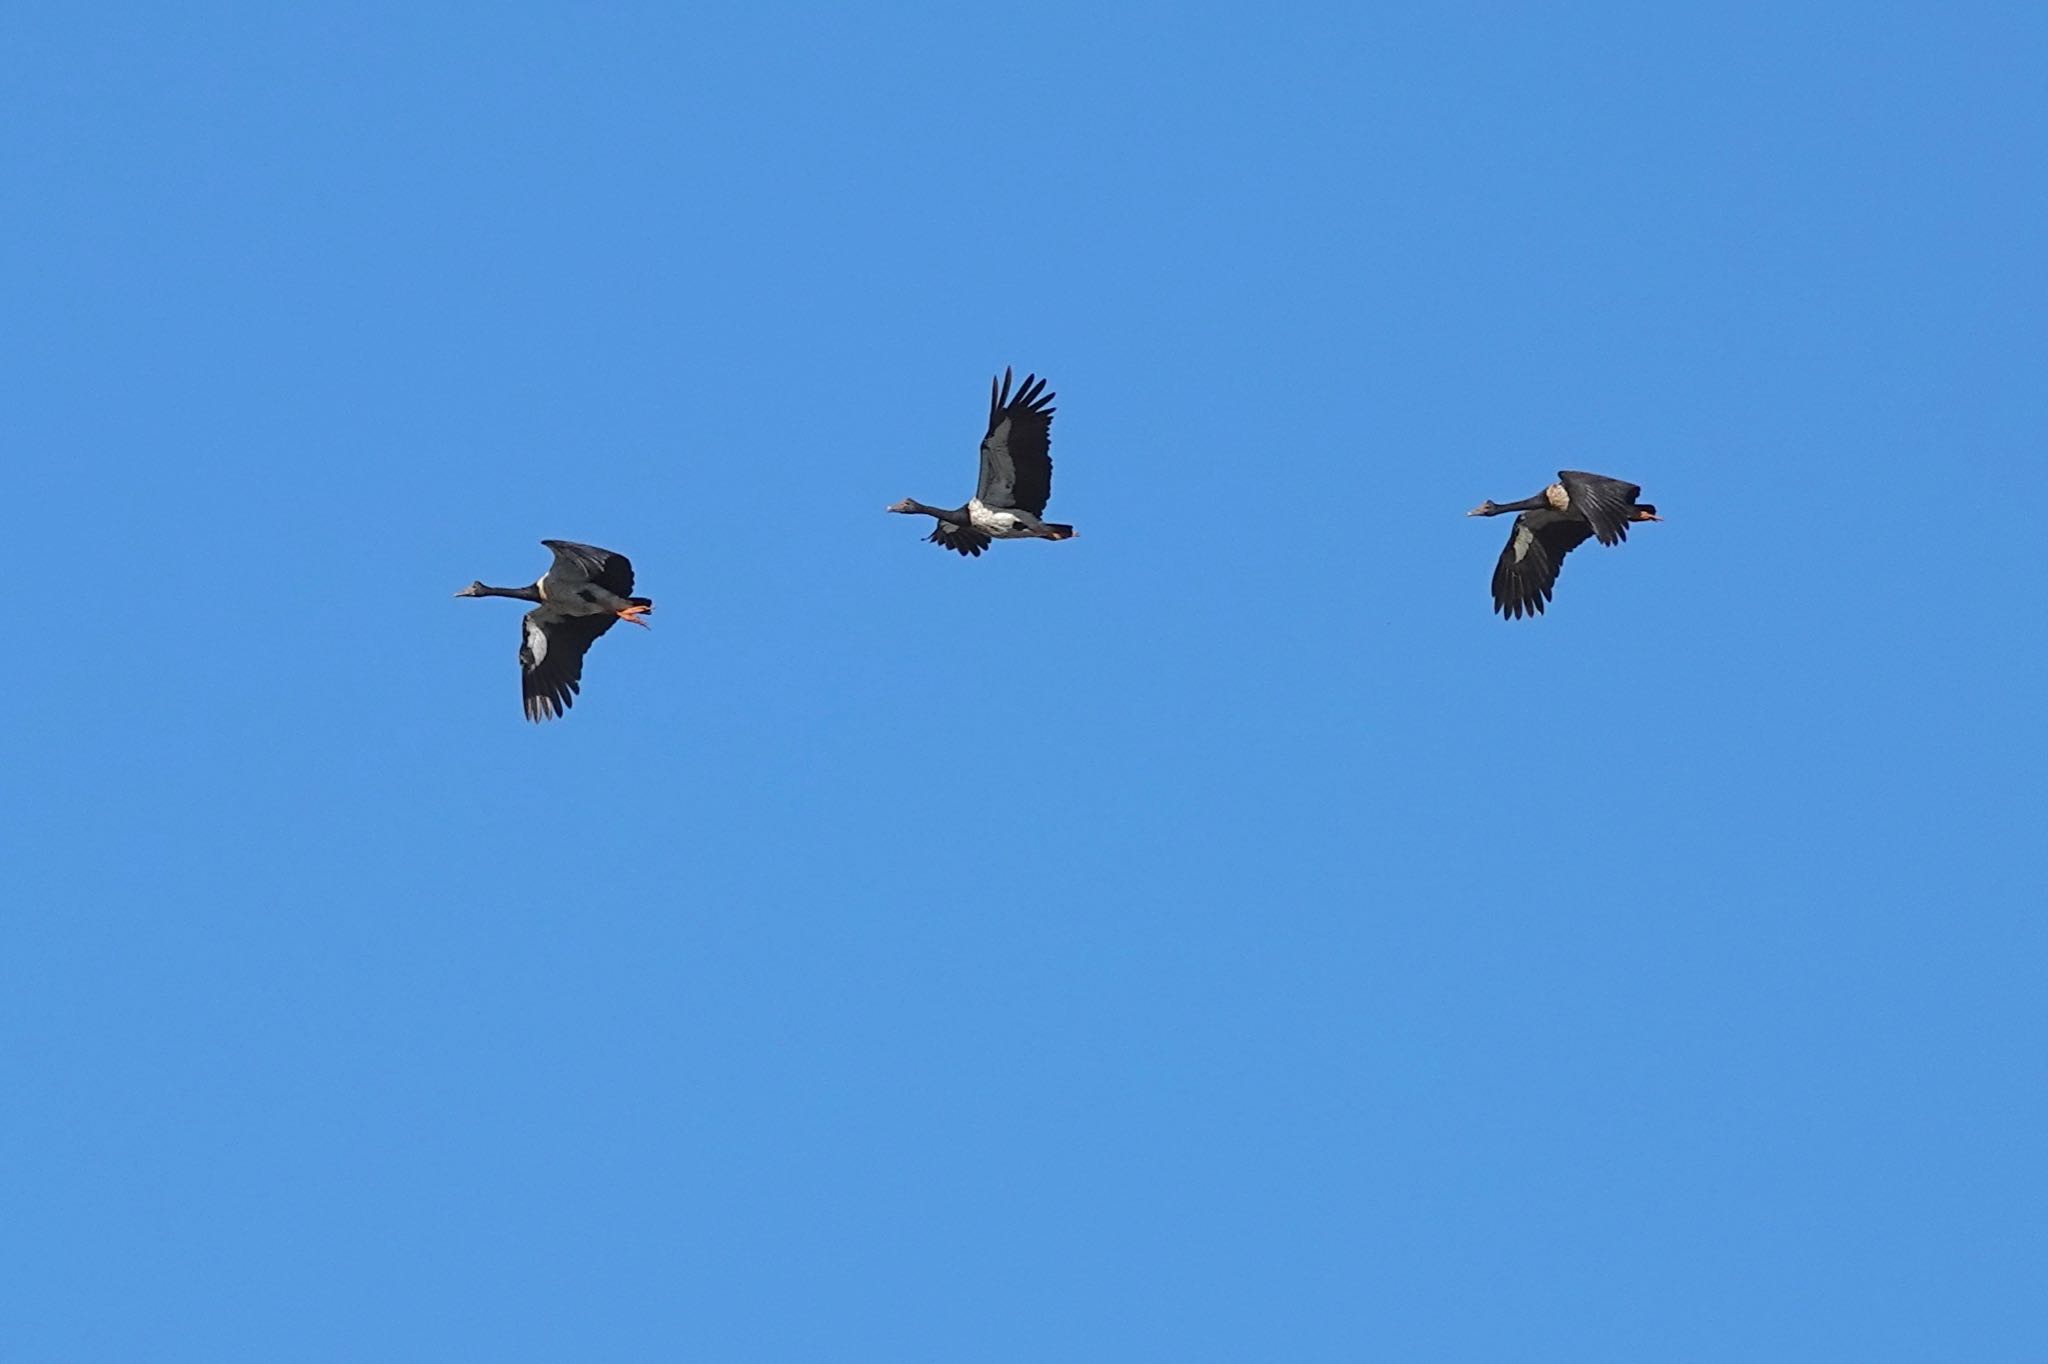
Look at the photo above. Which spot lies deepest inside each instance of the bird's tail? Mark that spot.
(1055, 531)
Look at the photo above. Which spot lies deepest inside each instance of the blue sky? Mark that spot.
(1215, 938)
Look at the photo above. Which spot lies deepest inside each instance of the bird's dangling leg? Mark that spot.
(633, 614)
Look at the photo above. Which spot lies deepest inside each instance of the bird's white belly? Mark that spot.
(1002, 524)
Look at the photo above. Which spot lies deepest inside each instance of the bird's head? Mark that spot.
(907, 505)
(473, 590)
(1486, 508)
(1646, 512)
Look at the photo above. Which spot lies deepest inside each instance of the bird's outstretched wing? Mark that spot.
(1528, 567)
(1016, 455)
(609, 570)
(1606, 502)
(551, 649)
(965, 539)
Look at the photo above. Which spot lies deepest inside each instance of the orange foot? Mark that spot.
(633, 614)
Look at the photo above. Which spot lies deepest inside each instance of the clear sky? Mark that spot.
(1218, 937)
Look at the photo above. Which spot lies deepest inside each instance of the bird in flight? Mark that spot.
(1016, 475)
(583, 593)
(1552, 524)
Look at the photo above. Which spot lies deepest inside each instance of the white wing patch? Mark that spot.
(536, 644)
(1525, 540)
(1003, 525)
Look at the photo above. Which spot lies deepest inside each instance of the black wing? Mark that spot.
(1528, 567)
(1016, 455)
(968, 541)
(611, 571)
(551, 650)
(1606, 502)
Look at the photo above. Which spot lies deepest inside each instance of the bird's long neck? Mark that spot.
(956, 516)
(531, 592)
(1537, 503)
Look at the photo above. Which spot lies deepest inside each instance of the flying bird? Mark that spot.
(581, 595)
(1016, 475)
(1551, 525)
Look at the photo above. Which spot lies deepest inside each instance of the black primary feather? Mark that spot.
(548, 685)
(962, 538)
(1605, 502)
(610, 570)
(1016, 455)
(1523, 582)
